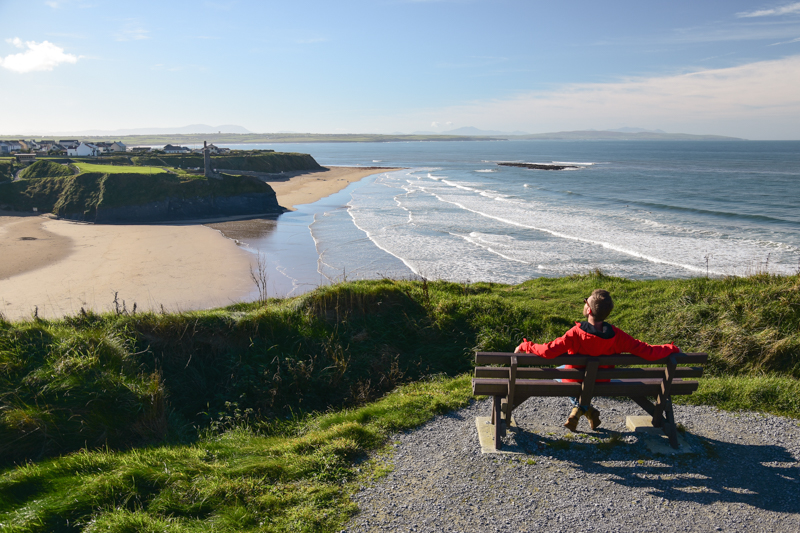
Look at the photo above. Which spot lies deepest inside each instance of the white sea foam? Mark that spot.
(455, 228)
(486, 170)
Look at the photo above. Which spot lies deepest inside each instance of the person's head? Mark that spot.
(598, 305)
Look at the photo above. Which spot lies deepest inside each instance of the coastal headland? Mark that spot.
(55, 267)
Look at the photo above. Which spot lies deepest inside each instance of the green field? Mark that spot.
(118, 169)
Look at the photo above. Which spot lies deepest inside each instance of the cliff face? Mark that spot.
(189, 208)
(97, 197)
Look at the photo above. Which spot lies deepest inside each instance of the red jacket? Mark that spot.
(611, 340)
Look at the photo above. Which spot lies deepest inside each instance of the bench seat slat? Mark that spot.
(499, 358)
(547, 387)
(572, 373)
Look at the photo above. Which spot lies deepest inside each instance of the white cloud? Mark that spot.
(133, 34)
(756, 100)
(132, 31)
(789, 9)
(787, 42)
(311, 40)
(38, 56)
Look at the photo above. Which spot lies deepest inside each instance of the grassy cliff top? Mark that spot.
(129, 180)
(264, 416)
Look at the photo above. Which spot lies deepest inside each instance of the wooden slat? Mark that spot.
(512, 377)
(547, 387)
(625, 387)
(577, 373)
(504, 358)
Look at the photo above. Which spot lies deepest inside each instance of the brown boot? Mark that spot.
(574, 416)
(594, 418)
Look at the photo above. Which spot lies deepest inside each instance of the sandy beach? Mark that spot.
(295, 188)
(57, 267)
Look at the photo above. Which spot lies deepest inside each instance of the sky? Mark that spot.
(724, 67)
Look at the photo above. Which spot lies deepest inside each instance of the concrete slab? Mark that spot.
(654, 438)
(486, 437)
(660, 444)
(641, 424)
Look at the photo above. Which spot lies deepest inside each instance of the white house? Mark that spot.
(69, 143)
(11, 146)
(169, 149)
(83, 150)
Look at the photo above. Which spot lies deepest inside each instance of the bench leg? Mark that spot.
(670, 428)
(497, 418)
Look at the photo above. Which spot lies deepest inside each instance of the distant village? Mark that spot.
(27, 151)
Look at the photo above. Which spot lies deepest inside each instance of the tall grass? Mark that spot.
(126, 380)
(291, 477)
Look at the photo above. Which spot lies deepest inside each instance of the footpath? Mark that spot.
(743, 475)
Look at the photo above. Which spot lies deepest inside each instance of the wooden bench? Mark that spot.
(523, 376)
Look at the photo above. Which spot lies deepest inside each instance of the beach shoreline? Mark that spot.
(52, 267)
(306, 187)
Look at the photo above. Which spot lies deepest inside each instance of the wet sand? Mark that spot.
(58, 267)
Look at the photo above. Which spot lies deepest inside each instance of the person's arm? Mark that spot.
(651, 352)
(550, 350)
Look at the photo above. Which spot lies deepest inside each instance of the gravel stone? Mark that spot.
(744, 475)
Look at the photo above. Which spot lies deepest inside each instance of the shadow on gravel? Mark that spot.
(765, 477)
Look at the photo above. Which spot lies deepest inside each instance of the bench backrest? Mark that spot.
(525, 359)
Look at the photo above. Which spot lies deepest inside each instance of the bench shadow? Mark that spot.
(763, 476)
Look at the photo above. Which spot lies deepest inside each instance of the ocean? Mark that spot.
(636, 209)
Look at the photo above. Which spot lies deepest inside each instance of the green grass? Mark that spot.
(775, 394)
(119, 169)
(45, 169)
(296, 478)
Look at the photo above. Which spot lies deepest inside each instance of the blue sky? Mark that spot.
(718, 67)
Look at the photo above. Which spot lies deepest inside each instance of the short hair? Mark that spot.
(600, 303)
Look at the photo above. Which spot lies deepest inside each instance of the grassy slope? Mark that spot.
(129, 380)
(45, 169)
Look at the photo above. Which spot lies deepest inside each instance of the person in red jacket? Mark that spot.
(595, 337)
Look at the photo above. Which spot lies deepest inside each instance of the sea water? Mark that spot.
(638, 209)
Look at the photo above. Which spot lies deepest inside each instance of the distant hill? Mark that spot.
(636, 130)
(192, 128)
(593, 135)
(470, 130)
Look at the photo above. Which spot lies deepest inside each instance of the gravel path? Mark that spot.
(743, 476)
